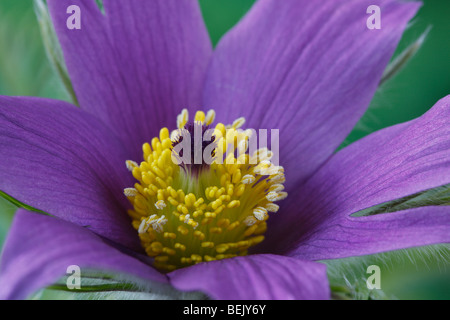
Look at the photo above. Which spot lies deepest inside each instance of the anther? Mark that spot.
(248, 179)
(130, 192)
(276, 196)
(249, 221)
(158, 224)
(272, 207)
(131, 165)
(260, 213)
(200, 116)
(160, 204)
(238, 123)
(182, 118)
(210, 117)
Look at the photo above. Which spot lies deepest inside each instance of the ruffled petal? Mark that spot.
(63, 161)
(387, 165)
(136, 66)
(39, 249)
(307, 68)
(356, 236)
(255, 277)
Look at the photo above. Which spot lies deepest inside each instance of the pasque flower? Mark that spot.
(307, 68)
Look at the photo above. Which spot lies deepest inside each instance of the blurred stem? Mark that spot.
(19, 204)
(52, 47)
(439, 196)
(402, 59)
(97, 288)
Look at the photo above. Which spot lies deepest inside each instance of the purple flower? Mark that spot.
(305, 68)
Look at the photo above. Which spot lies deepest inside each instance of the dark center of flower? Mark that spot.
(191, 157)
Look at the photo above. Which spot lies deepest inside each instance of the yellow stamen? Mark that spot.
(218, 213)
(210, 117)
(131, 165)
(200, 116)
(182, 119)
(130, 192)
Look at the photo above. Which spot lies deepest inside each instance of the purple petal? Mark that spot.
(39, 249)
(307, 68)
(390, 164)
(255, 277)
(63, 161)
(137, 66)
(350, 236)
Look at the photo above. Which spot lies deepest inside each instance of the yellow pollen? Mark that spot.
(260, 213)
(131, 165)
(160, 204)
(130, 192)
(238, 123)
(210, 117)
(220, 212)
(182, 118)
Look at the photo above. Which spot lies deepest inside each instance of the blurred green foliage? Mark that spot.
(25, 70)
(422, 82)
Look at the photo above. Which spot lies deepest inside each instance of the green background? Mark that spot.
(25, 70)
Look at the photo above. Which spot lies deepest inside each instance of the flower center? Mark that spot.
(188, 209)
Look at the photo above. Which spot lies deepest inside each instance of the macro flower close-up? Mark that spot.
(109, 184)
